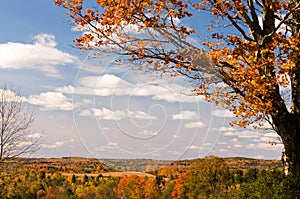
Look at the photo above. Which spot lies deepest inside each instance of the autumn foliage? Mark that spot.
(210, 177)
(251, 66)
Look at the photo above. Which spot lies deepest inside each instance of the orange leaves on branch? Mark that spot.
(113, 20)
(58, 2)
(251, 63)
(252, 73)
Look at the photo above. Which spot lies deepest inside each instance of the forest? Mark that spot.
(210, 177)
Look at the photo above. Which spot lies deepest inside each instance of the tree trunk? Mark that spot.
(291, 134)
(292, 152)
(287, 127)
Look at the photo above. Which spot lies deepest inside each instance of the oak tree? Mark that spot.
(251, 65)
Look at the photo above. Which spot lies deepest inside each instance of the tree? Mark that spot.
(209, 178)
(16, 118)
(252, 67)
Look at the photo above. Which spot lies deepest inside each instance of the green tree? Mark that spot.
(209, 178)
(74, 179)
(108, 188)
(251, 175)
(85, 179)
(266, 184)
(167, 190)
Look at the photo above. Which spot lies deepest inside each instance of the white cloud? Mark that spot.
(51, 101)
(224, 128)
(41, 55)
(265, 145)
(140, 115)
(194, 125)
(244, 134)
(86, 113)
(66, 89)
(223, 143)
(107, 114)
(35, 135)
(194, 147)
(103, 148)
(255, 136)
(56, 144)
(185, 115)
(148, 133)
(223, 151)
(249, 134)
(271, 135)
(107, 85)
(109, 146)
(237, 146)
(112, 144)
(258, 157)
(223, 113)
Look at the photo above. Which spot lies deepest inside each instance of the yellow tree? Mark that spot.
(251, 68)
(208, 178)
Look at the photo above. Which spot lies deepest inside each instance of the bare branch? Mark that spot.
(15, 122)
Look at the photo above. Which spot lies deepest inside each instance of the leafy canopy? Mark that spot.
(245, 70)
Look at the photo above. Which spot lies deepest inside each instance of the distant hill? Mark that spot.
(94, 166)
(148, 165)
(140, 165)
(65, 164)
(237, 163)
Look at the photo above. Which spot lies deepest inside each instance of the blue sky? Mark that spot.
(99, 108)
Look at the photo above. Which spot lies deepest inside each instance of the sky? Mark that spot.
(103, 109)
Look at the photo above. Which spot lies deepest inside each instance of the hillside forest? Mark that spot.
(84, 178)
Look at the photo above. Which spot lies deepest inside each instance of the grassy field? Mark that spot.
(111, 174)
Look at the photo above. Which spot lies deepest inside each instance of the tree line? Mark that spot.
(210, 177)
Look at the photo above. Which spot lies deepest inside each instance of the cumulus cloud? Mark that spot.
(244, 134)
(51, 101)
(223, 113)
(237, 146)
(255, 135)
(185, 115)
(108, 84)
(105, 85)
(35, 135)
(194, 125)
(67, 89)
(194, 147)
(148, 132)
(109, 146)
(107, 114)
(41, 55)
(56, 144)
(265, 145)
(224, 128)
